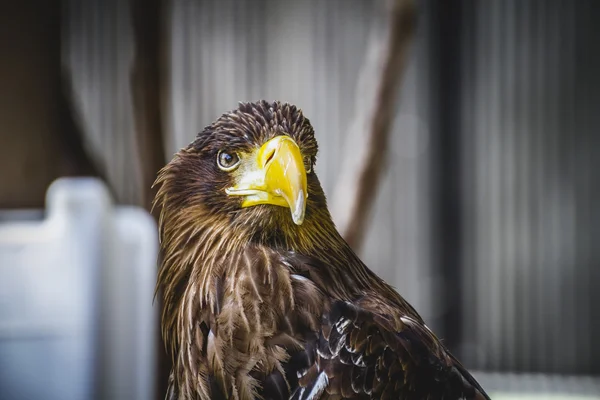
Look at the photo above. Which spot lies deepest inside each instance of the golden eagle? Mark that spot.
(263, 299)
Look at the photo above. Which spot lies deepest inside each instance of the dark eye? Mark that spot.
(227, 161)
(308, 164)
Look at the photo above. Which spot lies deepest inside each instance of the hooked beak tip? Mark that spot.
(277, 177)
(298, 211)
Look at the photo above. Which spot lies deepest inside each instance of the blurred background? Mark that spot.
(487, 216)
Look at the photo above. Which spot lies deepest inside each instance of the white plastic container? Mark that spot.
(77, 319)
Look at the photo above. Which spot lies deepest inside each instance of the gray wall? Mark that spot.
(530, 123)
(523, 161)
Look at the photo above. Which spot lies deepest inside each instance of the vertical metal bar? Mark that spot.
(446, 172)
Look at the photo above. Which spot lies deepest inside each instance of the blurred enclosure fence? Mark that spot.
(487, 219)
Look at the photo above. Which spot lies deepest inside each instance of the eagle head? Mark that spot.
(250, 172)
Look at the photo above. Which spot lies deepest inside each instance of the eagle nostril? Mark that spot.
(270, 156)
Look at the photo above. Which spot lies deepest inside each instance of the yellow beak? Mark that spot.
(275, 174)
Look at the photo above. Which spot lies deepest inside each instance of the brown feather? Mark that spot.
(258, 307)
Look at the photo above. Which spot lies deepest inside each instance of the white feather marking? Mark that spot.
(322, 355)
(360, 362)
(301, 373)
(342, 324)
(336, 350)
(318, 387)
(299, 278)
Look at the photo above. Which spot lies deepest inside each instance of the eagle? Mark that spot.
(262, 297)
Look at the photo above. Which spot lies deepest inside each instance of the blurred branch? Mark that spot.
(361, 194)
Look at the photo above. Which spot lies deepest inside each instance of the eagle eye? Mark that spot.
(227, 161)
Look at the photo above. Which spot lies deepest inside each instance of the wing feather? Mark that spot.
(366, 355)
(277, 329)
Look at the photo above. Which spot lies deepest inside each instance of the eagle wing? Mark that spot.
(362, 355)
(281, 327)
(368, 348)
